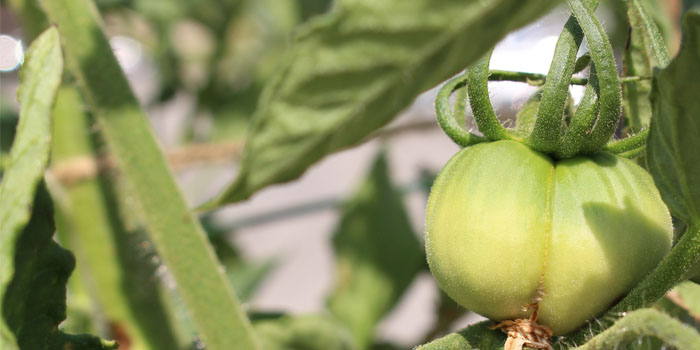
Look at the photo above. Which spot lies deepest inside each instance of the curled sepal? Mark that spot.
(546, 134)
(609, 84)
(447, 117)
(629, 144)
(478, 90)
(583, 120)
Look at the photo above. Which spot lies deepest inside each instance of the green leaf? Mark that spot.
(378, 255)
(174, 230)
(649, 323)
(310, 332)
(689, 294)
(39, 80)
(645, 51)
(352, 71)
(475, 337)
(672, 149)
(245, 277)
(111, 259)
(35, 303)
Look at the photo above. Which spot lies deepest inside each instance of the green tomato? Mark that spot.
(507, 226)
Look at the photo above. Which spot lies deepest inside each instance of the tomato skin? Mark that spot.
(507, 226)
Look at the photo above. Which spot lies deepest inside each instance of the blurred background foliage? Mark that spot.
(217, 55)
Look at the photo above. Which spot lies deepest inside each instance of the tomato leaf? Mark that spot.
(672, 152)
(35, 302)
(475, 337)
(378, 255)
(352, 71)
(39, 80)
(646, 50)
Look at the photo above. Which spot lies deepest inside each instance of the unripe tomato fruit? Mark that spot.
(507, 226)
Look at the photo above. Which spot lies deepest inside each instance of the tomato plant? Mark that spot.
(577, 227)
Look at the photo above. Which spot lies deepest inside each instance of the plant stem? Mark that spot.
(537, 79)
(176, 233)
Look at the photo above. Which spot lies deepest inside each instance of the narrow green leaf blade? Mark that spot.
(175, 232)
(39, 80)
(378, 255)
(352, 71)
(475, 337)
(672, 149)
(646, 50)
(119, 272)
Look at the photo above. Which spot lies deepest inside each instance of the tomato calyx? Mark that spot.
(554, 126)
(526, 332)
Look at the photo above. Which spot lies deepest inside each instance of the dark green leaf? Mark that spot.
(303, 333)
(378, 255)
(475, 337)
(39, 80)
(35, 302)
(672, 151)
(350, 72)
(645, 51)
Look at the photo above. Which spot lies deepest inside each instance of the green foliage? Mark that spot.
(40, 78)
(176, 233)
(351, 71)
(120, 278)
(244, 276)
(645, 51)
(35, 269)
(645, 322)
(378, 255)
(35, 302)
(672, 155)
(311, 332)
(475, 337)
